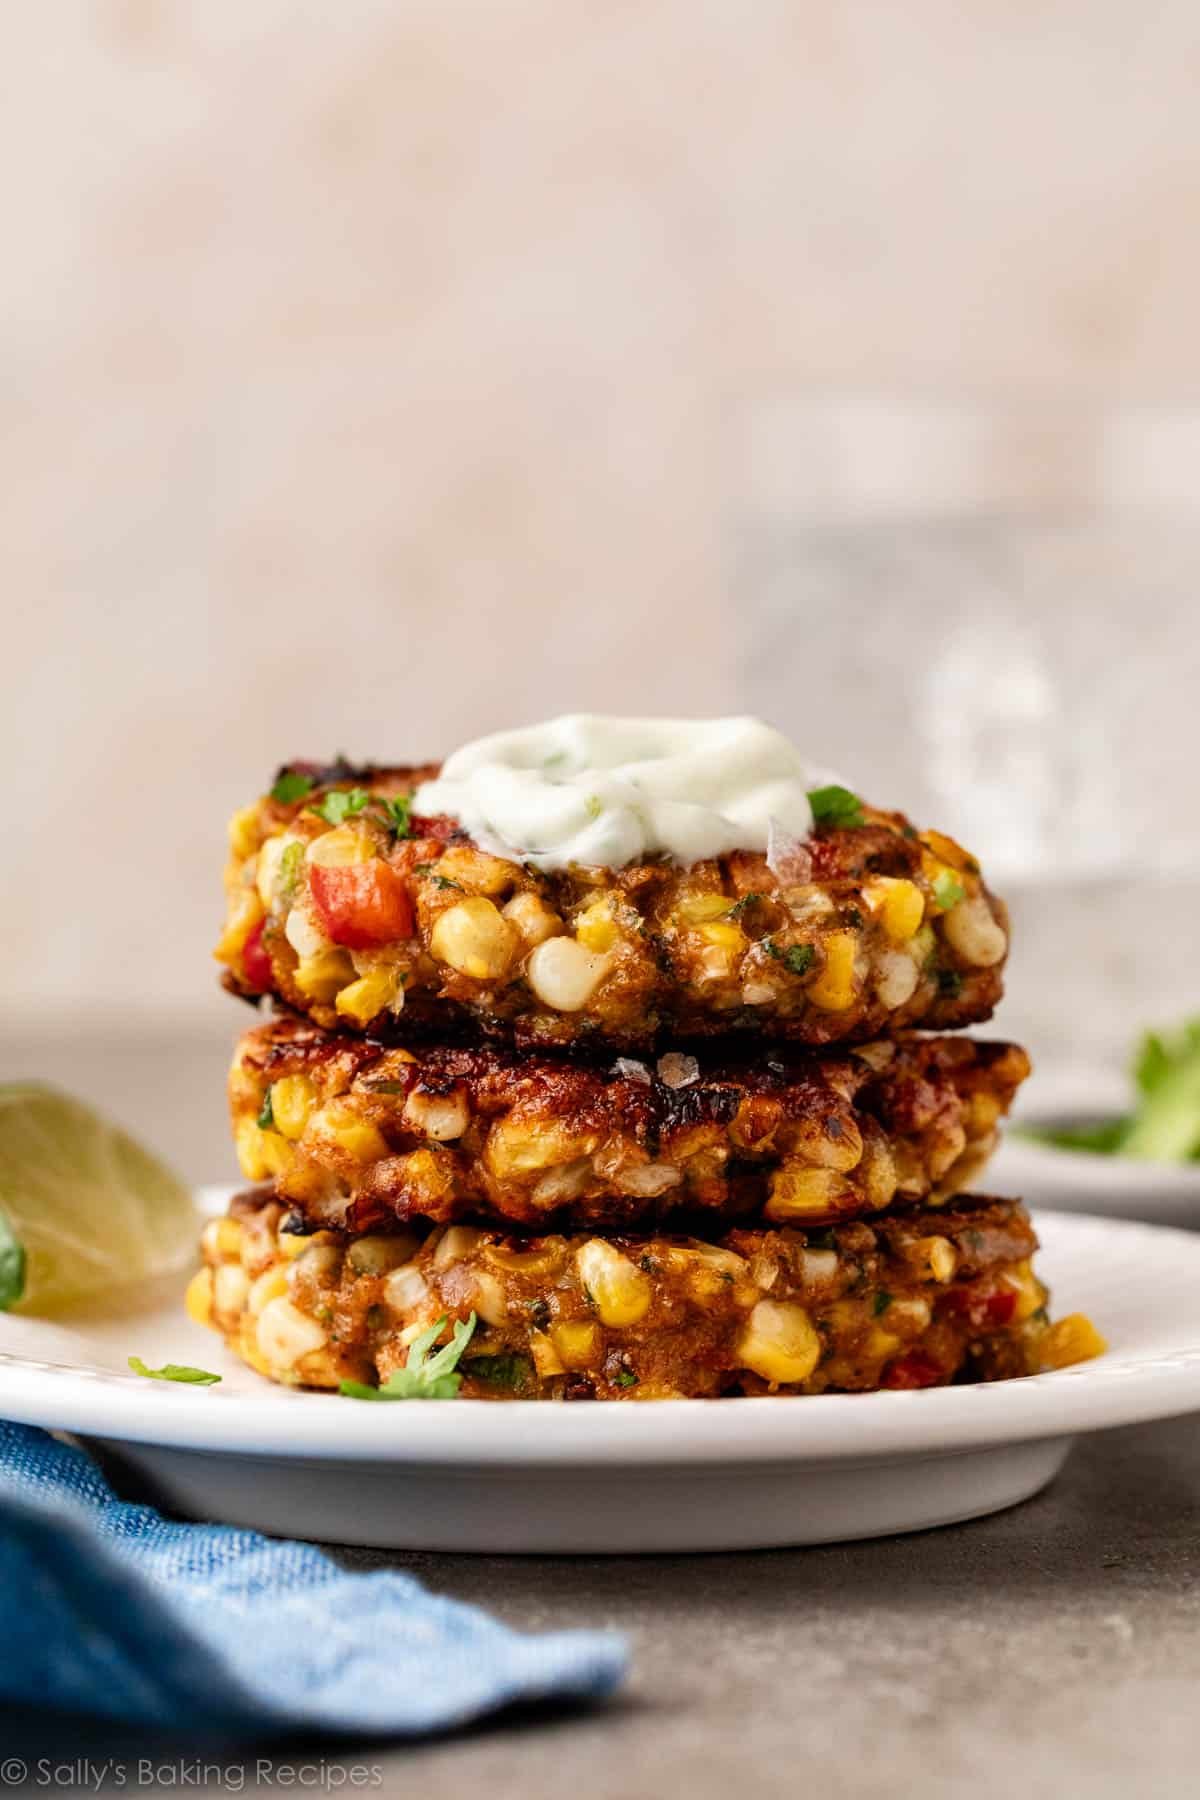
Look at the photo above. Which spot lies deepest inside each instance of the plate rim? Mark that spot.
(298, 1427)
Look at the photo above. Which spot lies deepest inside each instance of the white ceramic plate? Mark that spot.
(1076, 1181)
(663, 1476)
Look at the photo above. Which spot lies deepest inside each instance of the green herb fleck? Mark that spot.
(796, 957)
(12, 1266)
(424, 1377)
(291, 787)
(743, 905)
(948, 890)
(508, 1369)
(397, 810)
(594, 806)
(174, 1372)
(820, 1240)
(882, 1301)
(853, 918)
(625, 1378)
(949, 983)
(387, 1087)
(340, 805)
(835, 806)
(266, 1114)
(444, 881)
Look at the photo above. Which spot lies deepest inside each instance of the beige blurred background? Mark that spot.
(376, 374)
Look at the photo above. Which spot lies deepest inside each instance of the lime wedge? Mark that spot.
(84, 1210)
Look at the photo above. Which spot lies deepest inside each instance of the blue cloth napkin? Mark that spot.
(113, 1610)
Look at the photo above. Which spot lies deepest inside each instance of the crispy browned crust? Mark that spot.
(912, 1301)
(666, 981)
(364, 1134)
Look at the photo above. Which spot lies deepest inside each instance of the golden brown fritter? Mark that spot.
(906, 1301)
(356, 1134)
(370, 920)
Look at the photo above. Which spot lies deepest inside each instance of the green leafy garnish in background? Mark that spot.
(435, 1379)
(174, 1372)
(12, 1266)
(291, 787)
(1164, 1126)
(835, 806)
(340, 805)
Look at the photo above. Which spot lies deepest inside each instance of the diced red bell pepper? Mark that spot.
(916, 1370)
(982, 1310)
(256, 964)
(361, 904)
(1001, 1306)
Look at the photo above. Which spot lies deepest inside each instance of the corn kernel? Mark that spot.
(779, 1342)
(321, 976)
(291, 1244)
(285, 1334)
(354, 1137)
(546, 1359)
(380, 1255)
(198, 1297)
(475, 939)
(700, 909)
(1070, 1340)
(577, 1342)
(518, 1146)
(474, 869)
(899, 905)
(231, 1284)
(532, 918)
(1029, 1291)
(973, 932)
(369, 995)
(342, 847)
(620, 1291)
(222, 1238)
(292, 1100)
(726, 937)
(248, 1144)
(595, 928)
(833, 989)
(243, 833)
(564, 974)
(800, 1193)
(936, 1258)
(268, 1286)
(442, 1117)
(245, 912)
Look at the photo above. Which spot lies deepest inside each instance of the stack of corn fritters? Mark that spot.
(651, 1132)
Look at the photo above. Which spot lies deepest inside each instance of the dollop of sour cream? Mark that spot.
(598, 790)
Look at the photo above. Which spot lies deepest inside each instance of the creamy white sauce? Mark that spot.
(598, 790)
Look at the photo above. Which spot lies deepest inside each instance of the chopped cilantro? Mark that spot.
(12, 1266)
(266, 1114)
(340, 805)
(835, 806)
(508, 1369)
(397, 812)
(174, 1372)
(290, 787)
(625, 1378)
(796, 957)
(882, 1301)
(947, 890)
(743, 905)
(424, 1377)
